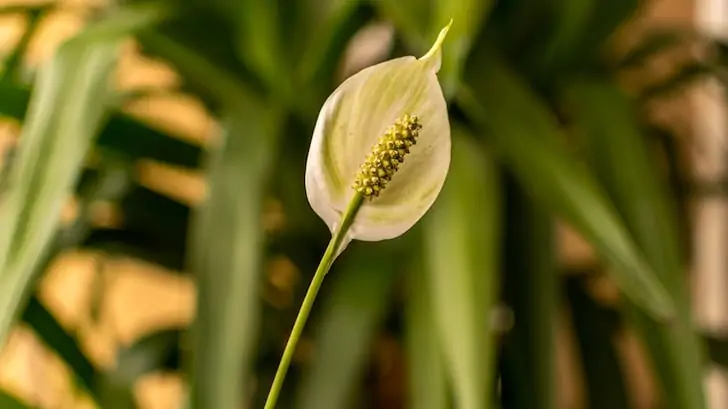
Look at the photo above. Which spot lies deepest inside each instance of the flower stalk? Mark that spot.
(338, 240)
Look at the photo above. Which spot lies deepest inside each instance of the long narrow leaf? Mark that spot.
(122, 134)
(461, 241)
(524, 132)
(259, 44)
(467, 16)
(605, 119)
(411, 18)
(427, 375)
(571, 21)
(64, 116)
(227, 259)
(331, 25)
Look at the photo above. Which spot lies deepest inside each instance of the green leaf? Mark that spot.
(605, 119)
(64, 116)
(108, 184)
(571, 19)
(123, 134)
(527, 136)
(10, 402)
(595, 328)
(427, 374)
(467, 16)
(259, 44)
(530, 290)
(351, 315)
(227, 258)
(330, 25)
(462, 247)
(413, 21)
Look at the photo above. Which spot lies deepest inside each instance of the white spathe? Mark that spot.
(348, 126)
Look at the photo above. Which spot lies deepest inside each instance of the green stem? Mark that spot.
(332, 251)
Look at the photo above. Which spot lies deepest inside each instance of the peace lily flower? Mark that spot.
(378, 159)
(384, 134)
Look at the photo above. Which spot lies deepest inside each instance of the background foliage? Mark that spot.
(545, 129)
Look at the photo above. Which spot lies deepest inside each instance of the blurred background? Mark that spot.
(156, 241)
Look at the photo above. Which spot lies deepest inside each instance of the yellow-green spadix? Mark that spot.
(383, 133)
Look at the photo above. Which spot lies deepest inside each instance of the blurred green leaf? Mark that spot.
(64, 116)
(10, 402)
(530, 290)
(122, 133)
(350, 317)
(527, 136)
(571, 19)
(413, 20)
(330, 25)
(519, 29)
(605, 119)
(108, 183)
(427, 375)
(595, 328)
(259, 44)
(462, 247)
(227, 257)
(468, 16)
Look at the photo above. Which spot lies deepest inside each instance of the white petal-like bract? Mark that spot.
(352, 119)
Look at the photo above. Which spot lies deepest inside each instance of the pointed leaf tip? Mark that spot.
(433, 56)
